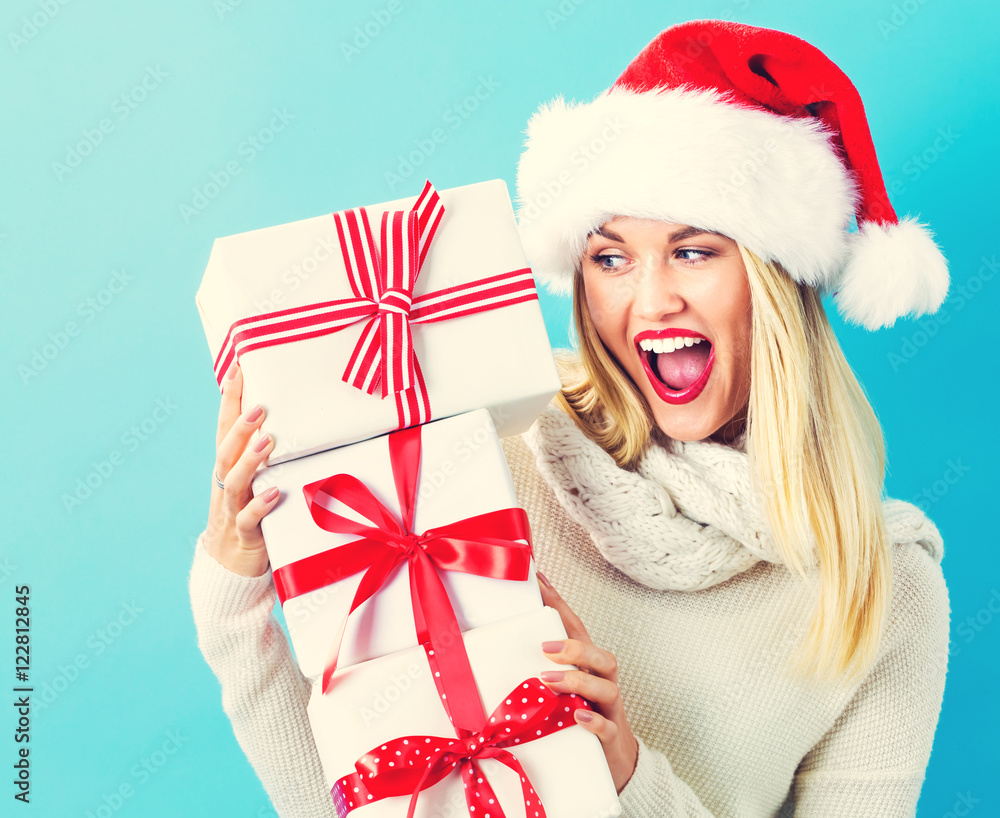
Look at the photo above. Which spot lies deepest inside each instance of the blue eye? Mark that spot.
(599, 259)
(698, 255)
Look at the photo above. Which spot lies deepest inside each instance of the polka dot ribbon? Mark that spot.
(382, 277)
(406, 766)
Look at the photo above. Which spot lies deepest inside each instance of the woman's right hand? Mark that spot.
(233, 536)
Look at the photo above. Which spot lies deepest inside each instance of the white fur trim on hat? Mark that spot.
(893, 269)
(772, 183)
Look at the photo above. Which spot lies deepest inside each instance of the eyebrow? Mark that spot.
(683, 233)
(688, 232)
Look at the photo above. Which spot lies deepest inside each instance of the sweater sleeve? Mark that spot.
(263, 692)
(872, 761)
(655, 789)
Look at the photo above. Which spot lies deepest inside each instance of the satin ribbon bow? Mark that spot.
(409, 765)
(487, 545)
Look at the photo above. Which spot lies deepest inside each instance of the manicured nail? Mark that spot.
(552, 675)
(261, 444)
(255, 413)
(270, 494)
(543, 579)
(585, 716)
(231, 372)
(553, 647)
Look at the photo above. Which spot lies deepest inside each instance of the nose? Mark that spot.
(656, 292)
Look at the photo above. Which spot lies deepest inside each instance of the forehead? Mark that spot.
(618, 227)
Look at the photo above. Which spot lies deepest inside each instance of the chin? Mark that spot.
(684, 426)
(698, 419)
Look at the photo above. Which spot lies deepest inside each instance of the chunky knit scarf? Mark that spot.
(687, 517)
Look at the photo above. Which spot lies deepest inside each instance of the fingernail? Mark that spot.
(543, 579)
(255, 413)
(584, 716)
(553, 647)
(231, 372)
(552, 675)
(270, 494)
(261, 443)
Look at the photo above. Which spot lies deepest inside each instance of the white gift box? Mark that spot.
(500, 359)
(394, 696)
(463, 473)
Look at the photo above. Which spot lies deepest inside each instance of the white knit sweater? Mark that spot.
(723, 731)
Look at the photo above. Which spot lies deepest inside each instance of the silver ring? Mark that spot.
(218, 482)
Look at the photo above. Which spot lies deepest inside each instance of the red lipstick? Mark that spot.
(689, 393)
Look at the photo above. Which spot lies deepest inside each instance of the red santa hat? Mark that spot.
(743, 131)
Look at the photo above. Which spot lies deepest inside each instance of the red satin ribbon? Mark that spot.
(382, 276)
(409, 765)
(487, 545)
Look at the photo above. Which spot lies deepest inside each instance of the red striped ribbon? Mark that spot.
(382, 278)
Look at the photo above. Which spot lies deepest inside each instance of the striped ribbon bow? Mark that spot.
(384, 281)
(382, 277)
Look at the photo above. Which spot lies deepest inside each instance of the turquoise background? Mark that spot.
(113, 374)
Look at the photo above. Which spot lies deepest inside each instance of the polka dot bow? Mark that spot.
(406, 766)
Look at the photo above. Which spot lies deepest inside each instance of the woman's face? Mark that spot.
(648, 282)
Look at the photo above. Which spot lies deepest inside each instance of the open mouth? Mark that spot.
(677, 362)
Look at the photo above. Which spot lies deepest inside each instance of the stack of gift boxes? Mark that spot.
(390, 345)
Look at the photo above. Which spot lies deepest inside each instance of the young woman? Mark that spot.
(761, 632)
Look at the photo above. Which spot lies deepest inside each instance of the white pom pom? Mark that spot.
(892, 270)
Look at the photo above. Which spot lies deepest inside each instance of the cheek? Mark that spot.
(741, 344)
(608, 301)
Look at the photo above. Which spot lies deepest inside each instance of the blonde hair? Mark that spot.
(815, 450)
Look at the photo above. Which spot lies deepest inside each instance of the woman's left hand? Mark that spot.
(597, 681)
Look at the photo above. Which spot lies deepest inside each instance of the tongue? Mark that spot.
(681, 368)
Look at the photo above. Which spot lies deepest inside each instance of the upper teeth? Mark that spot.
(667, 344)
